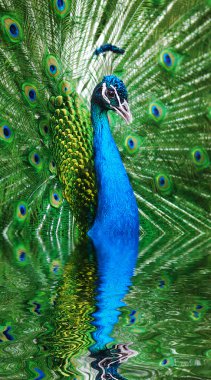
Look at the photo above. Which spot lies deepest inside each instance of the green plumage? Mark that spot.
(47, 75)
(72, 141)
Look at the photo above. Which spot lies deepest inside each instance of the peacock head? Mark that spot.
(111, 94)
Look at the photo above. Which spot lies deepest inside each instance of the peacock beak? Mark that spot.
(123, 110)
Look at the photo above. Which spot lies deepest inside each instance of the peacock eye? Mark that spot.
(110, 93)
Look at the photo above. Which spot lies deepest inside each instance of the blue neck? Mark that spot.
(117, 213)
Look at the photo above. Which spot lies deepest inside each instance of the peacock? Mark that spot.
(75, 176)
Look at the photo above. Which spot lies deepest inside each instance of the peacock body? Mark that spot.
(52, 55)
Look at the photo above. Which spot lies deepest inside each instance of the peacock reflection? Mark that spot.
(87, 305)
(116, 259)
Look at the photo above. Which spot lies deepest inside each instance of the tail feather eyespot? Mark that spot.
(21, 211)
(132, 144)
(169, 60)
(30, 94)
(36, 160)
(12, 29)
(21, 254)
(167, 362)
(163, 184)
(200, 158)
(55, 198)
(44, 128)
(6, 132)
(65, 88)
(52, 167)
(157, 111)
(61, 7)
(53, 66)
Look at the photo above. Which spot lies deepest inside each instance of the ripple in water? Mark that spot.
(54, 309)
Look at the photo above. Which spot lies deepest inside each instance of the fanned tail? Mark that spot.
(47, 51)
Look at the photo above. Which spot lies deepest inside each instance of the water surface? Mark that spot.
(60, 309)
